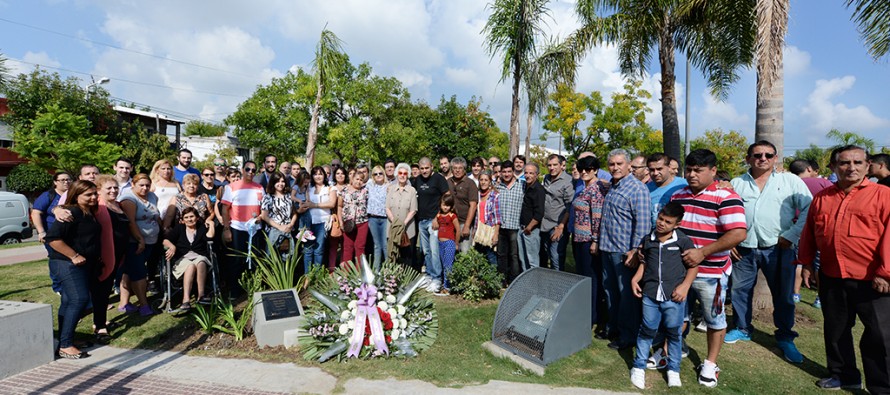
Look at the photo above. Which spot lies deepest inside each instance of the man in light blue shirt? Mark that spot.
(663, 183)
(772, 202)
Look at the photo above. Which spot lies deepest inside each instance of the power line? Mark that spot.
(118, 79)
(127, 49)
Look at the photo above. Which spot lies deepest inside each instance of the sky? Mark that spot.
(200, 59)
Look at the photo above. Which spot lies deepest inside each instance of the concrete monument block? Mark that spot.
(276, 313)
(27, 336)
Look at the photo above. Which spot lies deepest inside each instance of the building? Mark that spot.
(8, 159)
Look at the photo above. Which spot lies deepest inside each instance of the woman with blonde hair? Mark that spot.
(377, 213)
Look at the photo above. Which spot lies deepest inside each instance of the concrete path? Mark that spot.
(11, 256)
(113, 370)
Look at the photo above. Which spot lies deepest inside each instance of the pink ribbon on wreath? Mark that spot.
(367, 310)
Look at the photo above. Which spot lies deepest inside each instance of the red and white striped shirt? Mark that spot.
(709, 214)
(243, 198)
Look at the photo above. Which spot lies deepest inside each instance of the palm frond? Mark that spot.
(511, 30)
(873, 18)
(329, 57)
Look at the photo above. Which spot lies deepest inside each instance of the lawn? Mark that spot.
(457, 358)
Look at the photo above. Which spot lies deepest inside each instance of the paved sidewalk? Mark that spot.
(11, 256)
(113, 370)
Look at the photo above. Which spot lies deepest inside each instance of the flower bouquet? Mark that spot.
(366, 314)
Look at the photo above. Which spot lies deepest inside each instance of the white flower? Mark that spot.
(351, 324)
(379, 295)
(352, 305)
(392, 312)
(382, 305)
(401, 309)
(344, 329)
(345, 315)
(390, 299)
(403, 323)
(395, 333)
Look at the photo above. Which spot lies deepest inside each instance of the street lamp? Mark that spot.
(102, 80)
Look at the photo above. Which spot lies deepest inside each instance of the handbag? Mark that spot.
(405, 241)
(484, 234)
(336, 231)
(349, 225)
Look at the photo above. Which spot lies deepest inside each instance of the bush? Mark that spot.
(28, 179)
(474, 278)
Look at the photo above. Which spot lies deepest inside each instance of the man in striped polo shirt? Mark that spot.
(715, 221)
(240, 204)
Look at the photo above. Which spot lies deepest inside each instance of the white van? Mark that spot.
(15, 222)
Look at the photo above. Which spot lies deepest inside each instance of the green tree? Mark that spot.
(28, 179)
(850, 138)
(275, 117)
(58, 139)
(465, 130)
(30, 94)
(329, 60)
(620, 124)
(716, 39)
(813, 152)
(205, 129)
(223, 149)
(730, 148)
(511, 31)
(144, 147)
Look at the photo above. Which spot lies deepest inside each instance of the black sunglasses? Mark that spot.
(207, 174)
(761, 155)
(250, 169)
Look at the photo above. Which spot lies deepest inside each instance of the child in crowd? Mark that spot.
(446, 224)
(662, 280)
(186, 248)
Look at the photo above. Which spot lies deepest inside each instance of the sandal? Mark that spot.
(184, 308)
(146, 311)
(81, 355)
(205, 300)
(128, 308)
(103, 338)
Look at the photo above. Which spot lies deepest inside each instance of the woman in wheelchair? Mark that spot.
(186, 248)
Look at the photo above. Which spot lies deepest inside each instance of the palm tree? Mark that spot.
(329, 61)
(717, 36)
(511, 30)
(772, 25)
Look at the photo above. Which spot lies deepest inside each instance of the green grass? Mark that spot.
(457, 358)
(19, 245)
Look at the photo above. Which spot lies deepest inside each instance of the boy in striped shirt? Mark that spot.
(715, 221)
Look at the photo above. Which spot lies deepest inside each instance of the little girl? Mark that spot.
(446, 224)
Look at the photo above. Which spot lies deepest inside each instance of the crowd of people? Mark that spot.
(660, 248)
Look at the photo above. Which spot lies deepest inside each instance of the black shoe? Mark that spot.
(602, 335)
(616, 345)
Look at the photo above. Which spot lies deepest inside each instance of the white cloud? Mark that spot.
(826, 114)
(796, 61)
(28, 62)
(720, 114)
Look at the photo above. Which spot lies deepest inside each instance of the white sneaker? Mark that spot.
(707, 376)
(638, 378)
(434, 286)
(674, 379)
(657, 360)
(701, 327)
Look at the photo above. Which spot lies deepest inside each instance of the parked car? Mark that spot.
(15, 222)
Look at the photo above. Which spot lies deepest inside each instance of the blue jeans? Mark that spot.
(779, 271)
(489, 253)
(586, 265)
(555, 251)
(57, 287)
(377, 228)
(530, 248)
(276, 237)
(429, 243)
(624, 307)
(75, 285)
(313, 250)
(667, 314)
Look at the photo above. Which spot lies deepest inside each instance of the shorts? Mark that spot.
(711, 293)
(185, 262)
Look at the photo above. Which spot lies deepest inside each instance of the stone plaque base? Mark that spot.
(267, 327)
(27, 336)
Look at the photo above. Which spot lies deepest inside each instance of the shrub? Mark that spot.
(474, 278)
(28, 179)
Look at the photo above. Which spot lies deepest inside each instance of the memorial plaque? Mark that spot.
(277, 317)
(280, 304)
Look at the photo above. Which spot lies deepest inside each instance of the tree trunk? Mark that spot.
(762, 301)
(514, 112)
(313, 128)
(770, 124)
(528, 135)
(669, 121)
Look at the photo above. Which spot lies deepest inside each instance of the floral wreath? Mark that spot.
(363, 313)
